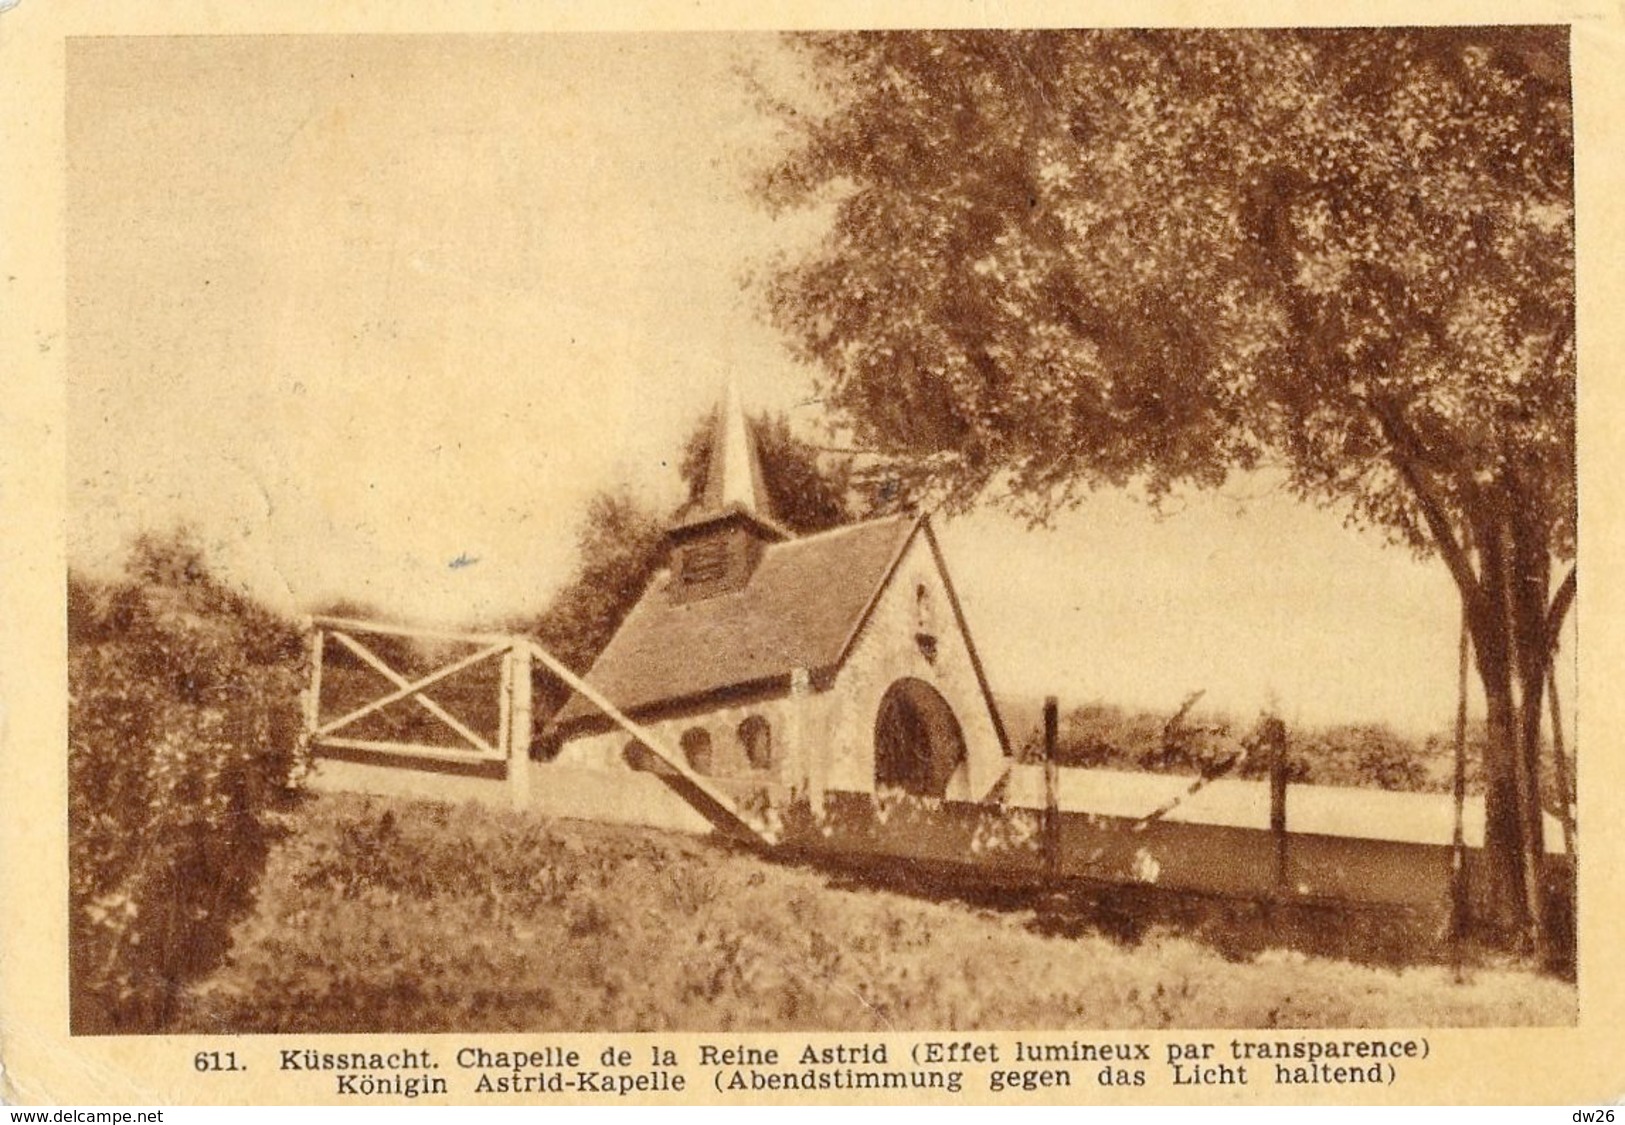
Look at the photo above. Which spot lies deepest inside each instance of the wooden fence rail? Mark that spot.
(511, 742)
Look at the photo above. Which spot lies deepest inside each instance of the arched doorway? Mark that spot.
(918, 743)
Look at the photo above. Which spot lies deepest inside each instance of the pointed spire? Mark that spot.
(716, 549)
(733, 480)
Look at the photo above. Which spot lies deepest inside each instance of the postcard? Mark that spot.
(811, 555)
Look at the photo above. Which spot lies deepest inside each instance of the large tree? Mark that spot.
(1059, 261)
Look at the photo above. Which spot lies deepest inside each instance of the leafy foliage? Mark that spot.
(618, 550)
(183, 732)
(1070, 259)
(1370, 755)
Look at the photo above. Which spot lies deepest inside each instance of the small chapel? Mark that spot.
(793, 666)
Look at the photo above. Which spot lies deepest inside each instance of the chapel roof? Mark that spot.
(801, 608)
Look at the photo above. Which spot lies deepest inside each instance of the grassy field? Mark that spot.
(393, 916)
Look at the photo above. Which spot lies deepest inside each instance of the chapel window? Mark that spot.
(696, 744)
(638, 756)
(705, 562)
(925, 621)
(756, 737)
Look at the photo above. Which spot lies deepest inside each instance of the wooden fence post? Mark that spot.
(313, 701)
(505, 703)
(1052, 810)
(1560, 764)
(1275, 733)
(1458, 800)
(519, 724)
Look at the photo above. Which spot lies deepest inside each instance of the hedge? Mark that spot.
(183, 736)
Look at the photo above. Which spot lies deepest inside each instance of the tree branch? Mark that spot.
(1400, 444)
(1561, 601)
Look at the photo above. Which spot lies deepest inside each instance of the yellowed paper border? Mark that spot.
(1581, 1065)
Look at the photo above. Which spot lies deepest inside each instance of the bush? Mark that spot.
(183, 732)
(1370, 755)
(1101, 735)
(1105, 736)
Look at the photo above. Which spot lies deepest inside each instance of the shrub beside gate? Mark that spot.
(183, 733)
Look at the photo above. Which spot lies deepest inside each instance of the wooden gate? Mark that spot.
(390, 732)
(483, 711)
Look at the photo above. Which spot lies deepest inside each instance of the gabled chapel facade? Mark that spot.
(795, 666)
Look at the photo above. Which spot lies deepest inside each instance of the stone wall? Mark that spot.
(790, 723)
(388, 775)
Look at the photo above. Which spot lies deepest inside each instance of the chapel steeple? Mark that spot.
(733, 479)
(717, 546)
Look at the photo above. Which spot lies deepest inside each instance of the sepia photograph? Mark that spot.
(1237, 365)
(791, 541)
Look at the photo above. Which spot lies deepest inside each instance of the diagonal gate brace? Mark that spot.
(715, 805)
(413, 689)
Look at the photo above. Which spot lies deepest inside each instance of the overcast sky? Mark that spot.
(359, 307)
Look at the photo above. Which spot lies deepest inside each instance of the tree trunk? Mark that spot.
(1530, 583)
(1499, 904)
(1514, 632)
(1508, 621)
